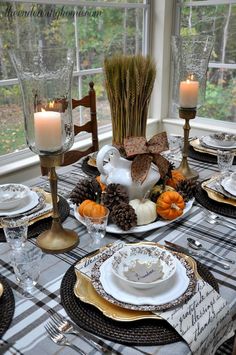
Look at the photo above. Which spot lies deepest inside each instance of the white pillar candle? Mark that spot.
(48, 131)
(188, 93)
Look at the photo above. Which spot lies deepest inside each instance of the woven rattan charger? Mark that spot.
(7, 306)
(214, 206)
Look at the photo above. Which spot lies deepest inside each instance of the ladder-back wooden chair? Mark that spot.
(90, 126)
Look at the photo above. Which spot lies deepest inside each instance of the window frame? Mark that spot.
(202, 122)
(20, 160)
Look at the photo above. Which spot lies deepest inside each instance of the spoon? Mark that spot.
(195, 244)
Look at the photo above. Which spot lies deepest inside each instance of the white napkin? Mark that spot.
(204, 322)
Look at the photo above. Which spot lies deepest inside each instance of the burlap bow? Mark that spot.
(145, 153)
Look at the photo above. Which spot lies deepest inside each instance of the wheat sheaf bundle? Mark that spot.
(129, 82)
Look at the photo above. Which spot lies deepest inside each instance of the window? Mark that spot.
(95, 29)
(217, 18)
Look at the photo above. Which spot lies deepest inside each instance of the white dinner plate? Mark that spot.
(176, 292)
(30, 202)
(112, 228)
(173, 288)
(209, 142)
(227, 185)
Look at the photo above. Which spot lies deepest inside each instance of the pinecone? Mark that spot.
(124, 216)
(187, 189)
(86, 189)
(114, 194)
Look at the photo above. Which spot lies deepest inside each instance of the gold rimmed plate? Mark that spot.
(199, 146)
(216, 196)
(42, 210)
(85, 291)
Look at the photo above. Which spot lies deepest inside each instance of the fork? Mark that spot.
(65, 326)
(213, 218)
(59, 338)
(212, 215)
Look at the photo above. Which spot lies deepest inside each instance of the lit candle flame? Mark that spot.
(51, 104)
(190, 78)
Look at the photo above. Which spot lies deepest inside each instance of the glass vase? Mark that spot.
(190, 57)
(45, 76)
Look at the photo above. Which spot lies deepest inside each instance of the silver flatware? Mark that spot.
(60, 339)
(219, 222)
(195, 244)
(67, 327)
(181, 249)
(216, 217)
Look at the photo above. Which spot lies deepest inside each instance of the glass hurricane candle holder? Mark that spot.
(191, 56)
(45, 76)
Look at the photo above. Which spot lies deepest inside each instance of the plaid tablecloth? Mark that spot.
(27, 335)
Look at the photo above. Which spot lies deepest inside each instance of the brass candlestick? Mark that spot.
(57, 239)
(187, 114)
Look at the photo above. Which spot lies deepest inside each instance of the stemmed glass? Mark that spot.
(15, 230)
(225, 160)
(96, 227)
(26, 264)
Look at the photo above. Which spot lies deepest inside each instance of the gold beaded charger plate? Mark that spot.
(112, 228)
(87, 292)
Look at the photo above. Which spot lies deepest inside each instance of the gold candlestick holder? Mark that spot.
(187, 114)
(57, 239)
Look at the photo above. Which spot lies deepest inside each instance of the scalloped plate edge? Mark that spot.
(85, 291)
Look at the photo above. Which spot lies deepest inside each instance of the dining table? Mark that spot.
(26, 334)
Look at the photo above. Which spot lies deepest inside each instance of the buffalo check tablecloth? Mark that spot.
(26, 334)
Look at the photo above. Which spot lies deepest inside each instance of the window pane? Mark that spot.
(123, 1)
(82, 114)
(219, 21)
(94, 32)
(116, 31)
(220, 100)
(12, 135)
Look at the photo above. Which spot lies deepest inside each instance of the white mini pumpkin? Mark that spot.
(145, 211)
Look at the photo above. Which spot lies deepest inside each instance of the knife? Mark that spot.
(179, 248)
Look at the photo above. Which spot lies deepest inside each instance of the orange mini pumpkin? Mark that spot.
(176, 177)
(170, 205)
(92, 209)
